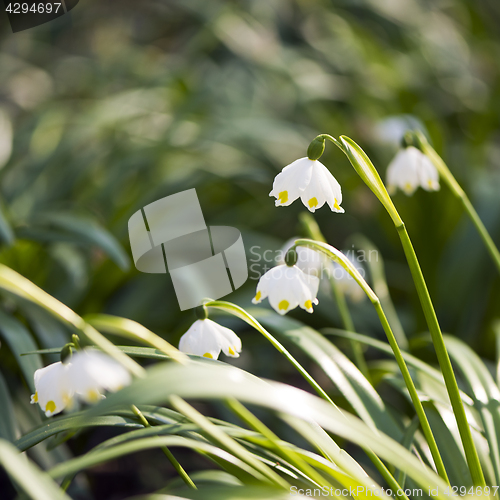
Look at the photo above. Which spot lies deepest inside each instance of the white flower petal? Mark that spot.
(52, 390)
(291, 181)
(93, 372)
(428, 174)
(289, 287)
(229, 341)
(207, 338)
(322, 188)
(410, 169)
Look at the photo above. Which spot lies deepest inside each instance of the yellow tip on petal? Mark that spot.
(258, 295)
(283, 196)
(336, 204)
(308, 304)
(50, 407)
(231, 351)
(313, 202)
(408, 187)
(93, 396)
(208, 355)
(283, 305)
(34, 398)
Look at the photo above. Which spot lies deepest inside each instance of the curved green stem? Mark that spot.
(362, 164)
(451, 182)
(249, 319)
(178, 467)
(341, 259)
(443, 359)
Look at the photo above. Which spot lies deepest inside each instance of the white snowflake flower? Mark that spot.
(53, 391)
(207, 338)
(86, 375)
(92, 372)
(311, 181)
(410, 169)
(287, 287)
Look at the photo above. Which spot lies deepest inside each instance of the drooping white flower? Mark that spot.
(86, 375)
(410, 169)
(287, 287)
(311, 181)
(207, 338)
(53, 390)
(92, 372)
(308, 260)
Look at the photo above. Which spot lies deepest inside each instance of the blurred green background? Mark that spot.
(118, 104)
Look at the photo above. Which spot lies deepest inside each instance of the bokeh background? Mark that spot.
(118, 104)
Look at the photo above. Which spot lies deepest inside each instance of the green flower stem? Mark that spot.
(451, 182)
(313, 231)
(178, 467)
(443, 359)
(341, 259)
(249, 319)
(366, 170)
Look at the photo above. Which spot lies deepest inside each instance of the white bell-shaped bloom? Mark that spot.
(308, 260)
(93, 372)
(207, 338)
(88, 373)
(53, 390)
(287, 287)
(311, 181)
(410, 169)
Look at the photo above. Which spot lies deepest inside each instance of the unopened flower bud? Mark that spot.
(316, 148)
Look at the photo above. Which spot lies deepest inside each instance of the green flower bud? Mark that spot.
(316, 148)
(75, 339)
(291, 257)
(66, 353)
(201, 312)
(408, 139)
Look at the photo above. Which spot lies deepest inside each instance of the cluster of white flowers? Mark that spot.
(86, 375)
(287, 287)
(90, 372)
